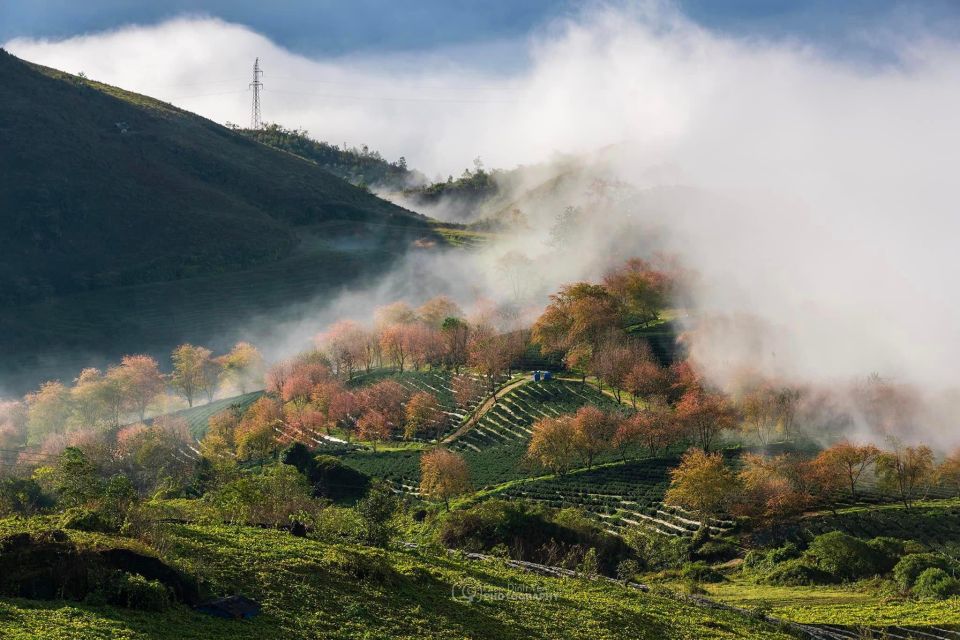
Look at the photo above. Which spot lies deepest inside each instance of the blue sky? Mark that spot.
(336, 27)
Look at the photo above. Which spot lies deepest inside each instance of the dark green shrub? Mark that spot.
(756, 559)
(131, 590)
(22, 497)
(377, 511)
(889, 550)
(788, 551)
(627, 570)
(701, 572)
(533, 533)
(795, 573)
(328, 475)
(369, 568)
(844, 557)
(935, 584)
(84, 519)
(333, 479)
(716, 551)
(655, 551)
(909, 568)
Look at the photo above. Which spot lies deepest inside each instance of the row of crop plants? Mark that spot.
(512, 418)
(618, 495)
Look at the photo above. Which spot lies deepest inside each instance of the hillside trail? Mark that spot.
(484, 408)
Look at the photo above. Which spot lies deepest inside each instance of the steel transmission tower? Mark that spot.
(256, 84)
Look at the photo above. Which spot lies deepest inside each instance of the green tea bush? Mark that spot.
(789, 551)
(935, 584)
(796, 572)
(889, 550)
(909, 568)
(85, 519)
(655, 551)
(532, 532)
(844, 557)
(132, 591)
(716, 551)
(368, 567)
(627, 570)
(701, 572)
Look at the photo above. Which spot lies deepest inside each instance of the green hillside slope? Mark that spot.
(113, 205)
(104, 187)
(313, 589)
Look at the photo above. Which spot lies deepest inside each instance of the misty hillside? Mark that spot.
(359, 166)
(102, 187)
(131, 225)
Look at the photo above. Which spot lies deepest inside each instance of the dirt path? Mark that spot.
(479, 413)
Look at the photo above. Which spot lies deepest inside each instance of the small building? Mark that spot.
(232, 607)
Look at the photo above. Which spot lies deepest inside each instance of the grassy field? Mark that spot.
(849, 605)
(312, 589)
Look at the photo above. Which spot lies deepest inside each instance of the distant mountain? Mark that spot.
(101, 187)
(127, 224)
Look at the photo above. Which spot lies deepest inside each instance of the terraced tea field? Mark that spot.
(435, 382)
(618, 495)
(198, 418)
(495, 447)
(511, 419)
(933, 522)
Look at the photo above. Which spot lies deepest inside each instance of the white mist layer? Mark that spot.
(815, 200)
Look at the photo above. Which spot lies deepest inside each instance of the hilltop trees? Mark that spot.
(395, 344)
(594, 430)
(256, 434)
(345, 343)
(553, 444)
(491, 354)
(423, 413)
(48, 410)
(96, 399)
(455, 334)
(435, 311)
(585, 322)
(374, 427)
(772, 487)
(577, 319)
(243, 367)
(651, 427)
(646, 379)
(194, 372)
(848, 461)
(702, 483)
(140, 381)
(614, 360)
(907, 471)
(443, 475)
(704, 415)
(948, 472)
(640, 290)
